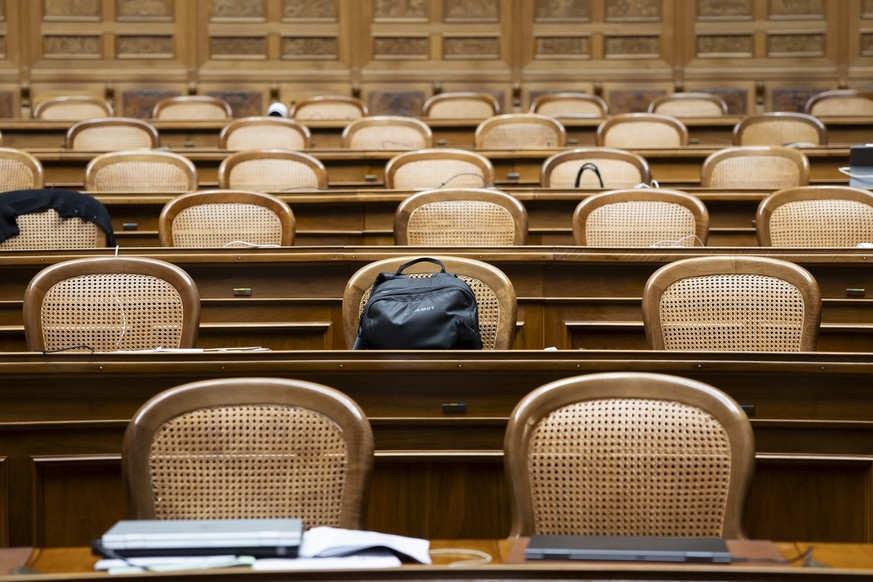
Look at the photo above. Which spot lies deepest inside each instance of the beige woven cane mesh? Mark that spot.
(387, 137)
(732, 312)
(265, 136)
(15, 175)
(629, 467)
(640, 223)
(520, 136)
(436, 173)
(107, 312)
(821, 223)
(226, 224)
(460, 222)
(46, 230)
(272, 175)
(486, 301)
(112, 137)
(461, 109)
(340, 111)
(139, 176)
(642, 134)
(779, 132)
(192, 111)
(843, 106)
(690, 108)
(73, 111)
(763, 172)
(249, 461)
(615, 174)
(578, 107)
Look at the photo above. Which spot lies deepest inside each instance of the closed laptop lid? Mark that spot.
(628, 548)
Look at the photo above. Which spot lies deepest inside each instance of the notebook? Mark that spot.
(628, 548)
(200, 537)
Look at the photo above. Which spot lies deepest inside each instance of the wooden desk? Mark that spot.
(439, 475)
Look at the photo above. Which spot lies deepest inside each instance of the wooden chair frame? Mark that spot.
(687, 98)
(387, 122)
(861, 99)
(797, 157)
(322, 100)
(441, 99)
(592, 155)
(87, 126)
(602, 137)
(225, 169)
(27, 160)
(186, 101)
(44, 107)
(245, 123)
(554, 98)
(397, 162)
(98, 163)
(481, 137)
(810, 121)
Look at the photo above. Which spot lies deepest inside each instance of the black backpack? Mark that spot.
(417, 313)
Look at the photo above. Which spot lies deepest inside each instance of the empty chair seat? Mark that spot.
(570, 105)
(140, 171)
(846, 102)
(461, 105)
(111, 134)
(192, 107)
(261, 133)
(328, 107)
(271, 171)
(755, 167)
(19, 170)
(780, 128)
(689, 105)
(387, 132)
(72, 108)
(642, 130)
(520, 131)
(436, 168)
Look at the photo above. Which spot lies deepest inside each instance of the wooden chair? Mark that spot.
(732, 303)
(111, 303)
(642, 130)
(72, 108)
(436, 168)
(494, 294)
(271, 171)
(328, 107)
(112, 134)
(628, 454)
(192, 107)
(520, 131)
(222, 218)
(460, 217)
(241, 448)
(615, 168)
(641, 217)
(840, 103)
(461, 105)
(141, 171)
(19, 170)
(816, 216)
(689, 105)
(780, 128)
(53, 219)
(570, 105)
(755, 167)
(387, 132)
(261, 133)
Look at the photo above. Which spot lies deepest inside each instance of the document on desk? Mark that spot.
(374, 559)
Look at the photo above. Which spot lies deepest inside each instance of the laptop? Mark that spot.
(202, 537)
(628, 548)
(861, 166)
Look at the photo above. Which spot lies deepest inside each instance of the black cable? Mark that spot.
(587, 166)
(69, 349)
(463, 174)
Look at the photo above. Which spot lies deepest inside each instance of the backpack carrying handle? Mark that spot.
(405, 266)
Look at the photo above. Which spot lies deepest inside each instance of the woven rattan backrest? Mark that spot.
(689, 105)
(520, 131)
(272, 171)
(816, 216)
(111, 134)
(238, 448)
(623, 454)
(460, 217)
(618, 169)
(729, 303)
(328, 107)
(111, 303)
(570, 105)
(436, 168)
(72, 108)
(755, 167)
(494, 293)
(192, 107)
(387, 133)
(461, 105)
(19, 170)
(218, 218)
(840, 103)
(641, 218)
(642, 130)
(260, 133)
(46, 230)
(140, 171)
(780, 128)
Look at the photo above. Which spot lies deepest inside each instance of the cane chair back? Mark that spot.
(494, 293)
(141, 171)
(616, 168)
(628, 454)
(520, 131)
(816, 216)
(226, 218)
(112, 134)
(437, 168)
(387, 132)
(272, 171)
(846, 102)
(261, 133)
(780, 128)
(755, 167)
(244, 448)
(192, 107)
(111, 303)
(642, 130)
(72, 108)
(689, 105)
(328, 107)
(570, 105)
(728, 303)
(641, 217)
(461, 105)
(19, 170)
